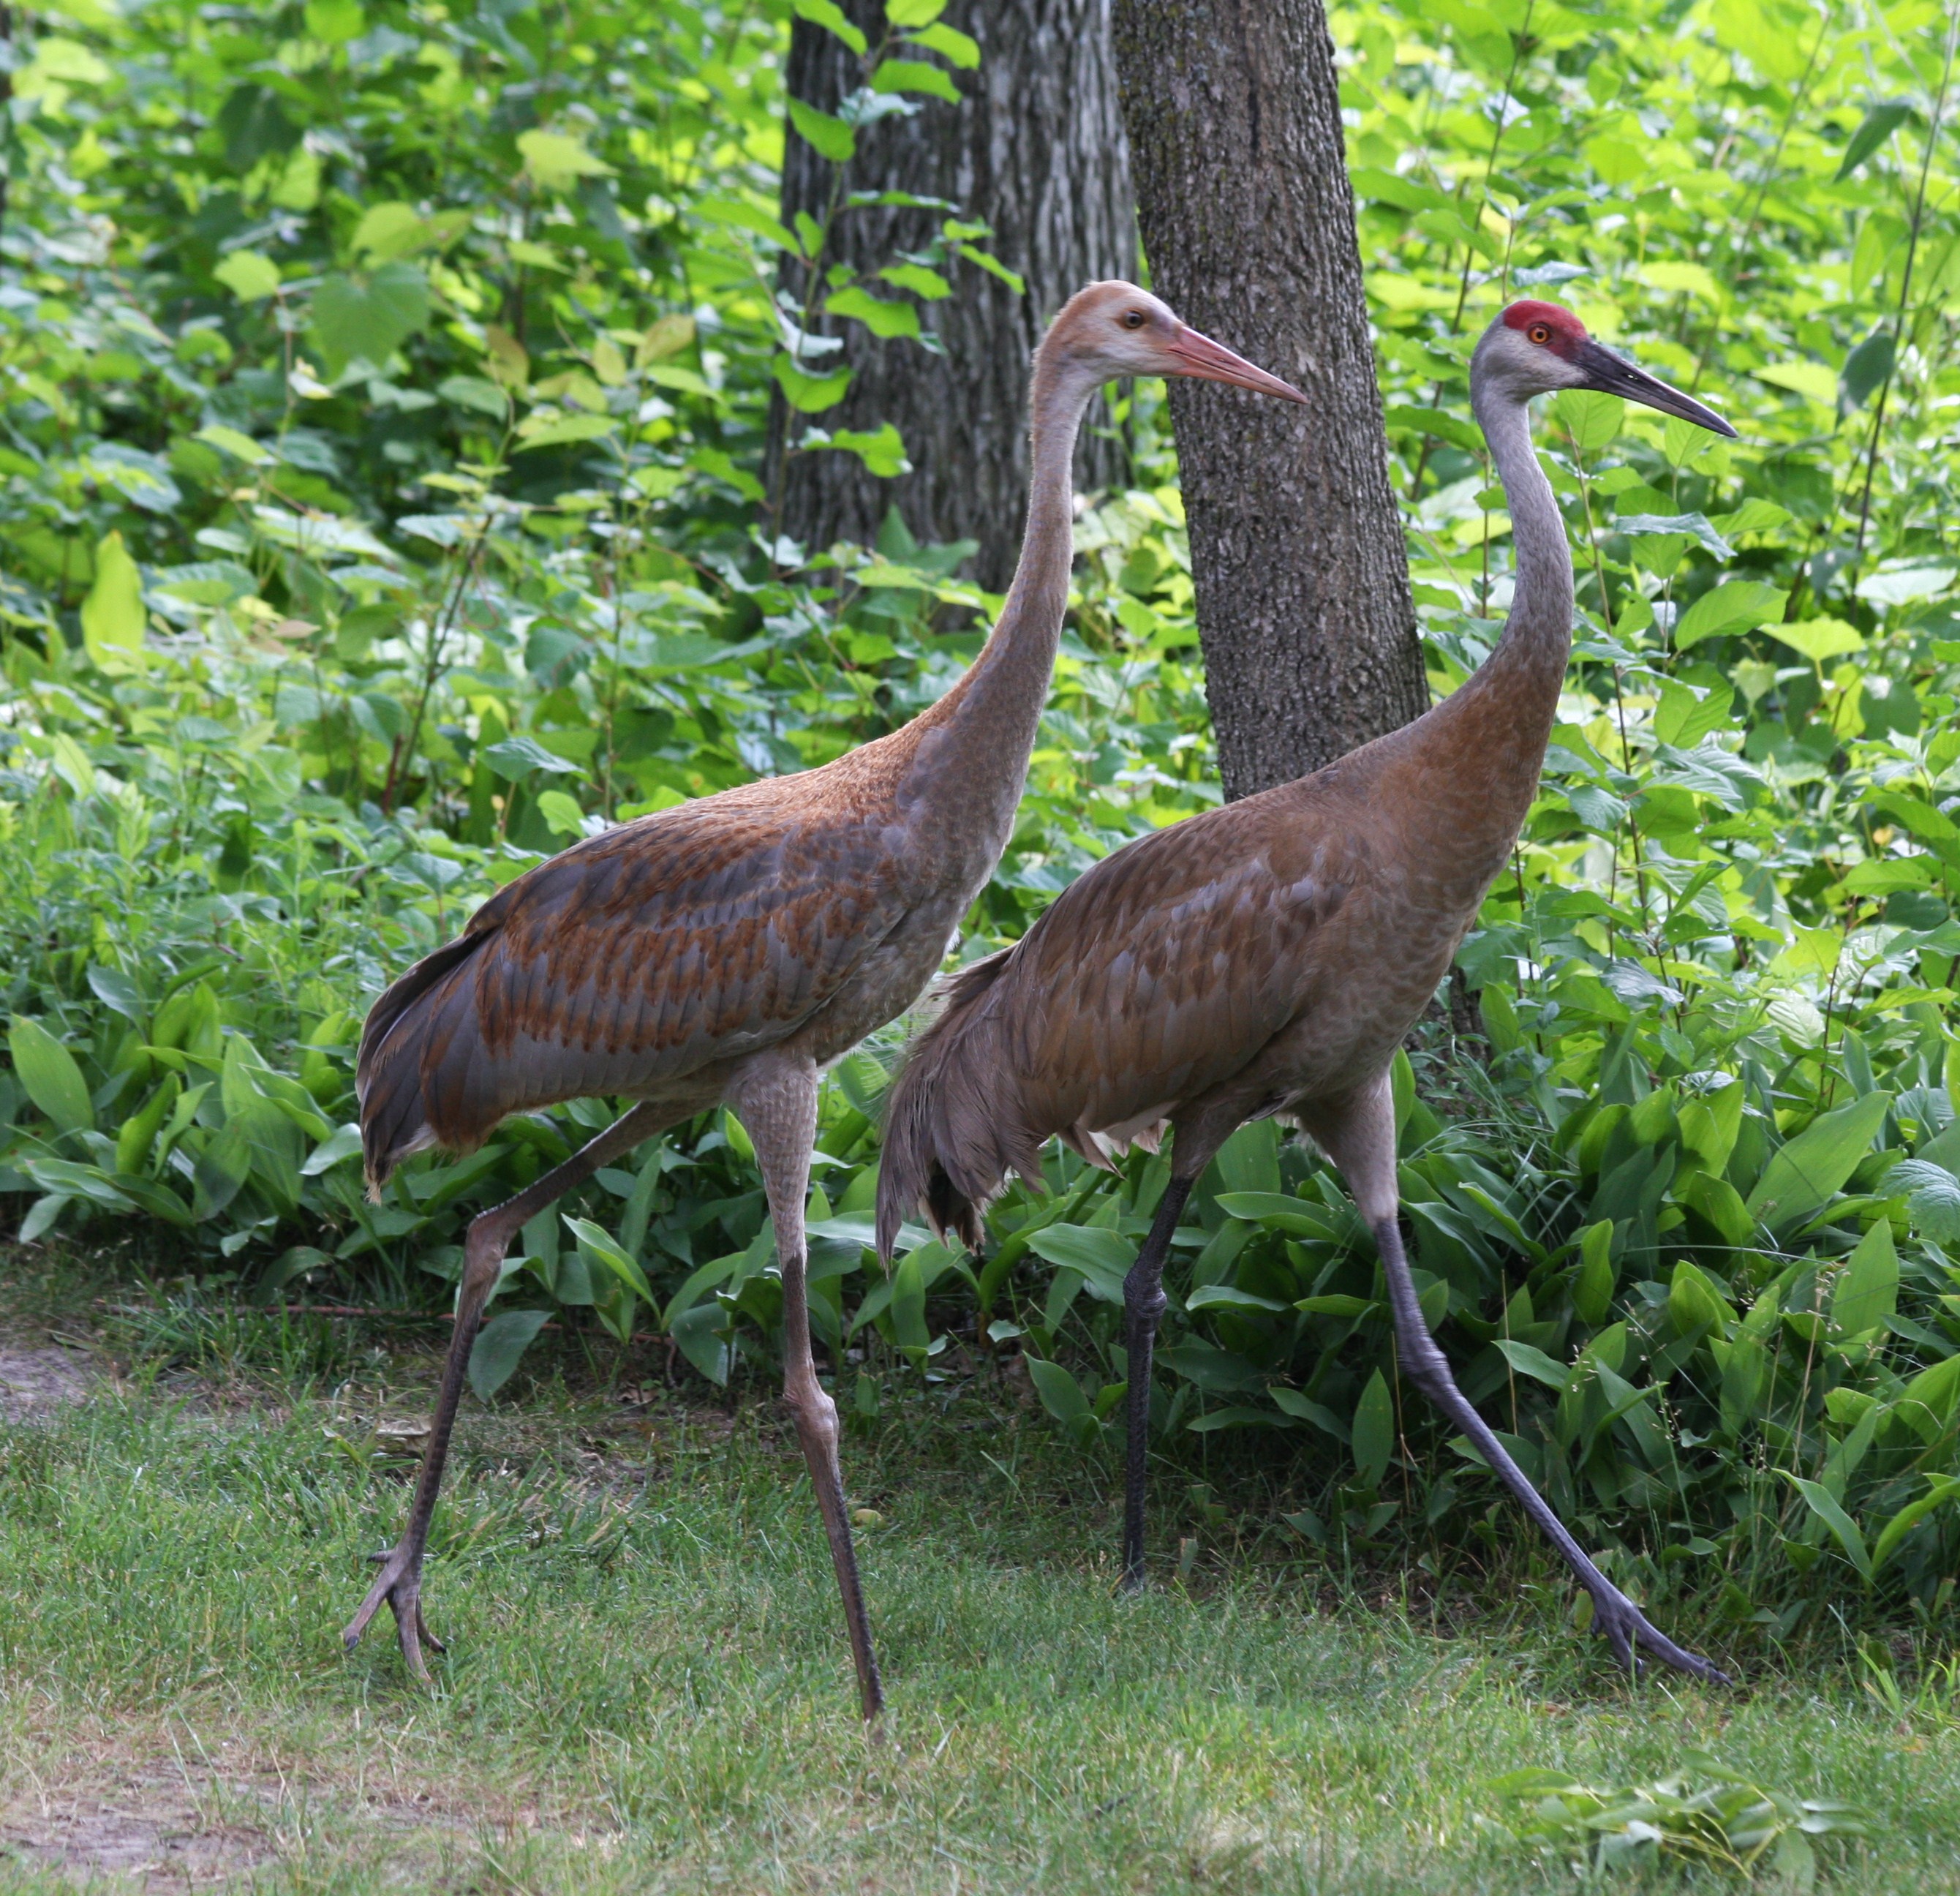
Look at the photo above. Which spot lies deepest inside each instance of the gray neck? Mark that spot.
(1538, 635)
(985, 725)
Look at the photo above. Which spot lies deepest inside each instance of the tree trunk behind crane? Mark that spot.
(1248, 218)
(1035, 148)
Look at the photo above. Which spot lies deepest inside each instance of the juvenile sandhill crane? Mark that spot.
(1269, 956)
(724, 951)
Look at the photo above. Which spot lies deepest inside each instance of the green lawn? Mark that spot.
(648, 1689)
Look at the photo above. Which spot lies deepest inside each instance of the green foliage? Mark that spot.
(1705, 1813)
(385, 430)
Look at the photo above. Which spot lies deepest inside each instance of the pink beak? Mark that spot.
(1198, 355)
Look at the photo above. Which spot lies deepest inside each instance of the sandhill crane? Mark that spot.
(723, 951)
(1269, 956)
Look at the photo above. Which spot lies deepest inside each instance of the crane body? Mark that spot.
(1270, 955)
(723, 951)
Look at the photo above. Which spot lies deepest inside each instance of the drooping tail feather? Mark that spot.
(952, 1130)
(388, 1074)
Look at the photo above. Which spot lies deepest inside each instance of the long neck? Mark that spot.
(984, 728)
(1531, 658)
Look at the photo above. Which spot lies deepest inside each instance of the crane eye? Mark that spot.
(1133, 319)
(1538, 333)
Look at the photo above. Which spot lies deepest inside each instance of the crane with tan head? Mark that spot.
(724, 951)
(1269, 957)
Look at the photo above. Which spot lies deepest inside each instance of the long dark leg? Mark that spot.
(1625, 1626)
(1142, 1305)
(490, 1234)
(777, 1102)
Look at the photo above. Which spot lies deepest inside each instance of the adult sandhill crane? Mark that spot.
(1269, 956)
(723, 951)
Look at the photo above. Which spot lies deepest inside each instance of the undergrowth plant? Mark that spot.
(379, 487)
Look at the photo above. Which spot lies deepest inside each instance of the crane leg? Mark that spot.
(777, 1101)
(1628, 1630)
(490, 1234)
(1142, 1305)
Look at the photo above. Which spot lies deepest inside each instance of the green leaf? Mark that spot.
(561, 814)
(1061, 1395)
(1828, 1509)
(1736, 605)
(1803, 1175)
(883, 450)
(249, 275)
(918, 278)
(112, 615)
(534, 432)
(1102, 1256)
(1944, 1488)
(512, 758)
(48, 1072)
(809, 394)
(823, 13)
(557, 161)
(596, 1242)
(881, 317)
(240, 446)
(1592, 1290)
(1818, 640)
(1868, 366)
(1593, 420)
(1866, 1292)
(369, 319)
(913, 13)
(1374, 1432)
(952, 45)
(830, 138)
(1528, 1360)
(915, 75)
(1880, 122)
(1931, 1198)
(1693, 1301)
(499, 1344)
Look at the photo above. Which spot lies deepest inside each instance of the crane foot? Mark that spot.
(400, 1585)
(1630, 1633)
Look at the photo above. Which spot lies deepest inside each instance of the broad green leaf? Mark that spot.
(915, 75)
(1736, 605)
(499, 1347)
(809, 394)
(1592, 1288)
(1818, 640)
(1529, 1360)
(49, 1076)
(371, 318)
(1828, 1509)
(831, 138)
(561, 814)
(1692, 1300)
(1591, 420)
(1812, 379)
(536, 432)
(242, 447)
(249, 275)
(1866, 1292)
(1374, 1433)
(557, 161)
(112, 615)
(1879, 123)
(1805, 1174)
(1944, 1488)
(952, 45)
(514, 757)
(1104, 1257)
(913, 13)
(596, 1242)
(1061, 1395)
(1867, 366)
(880, 316)
(1931, 1198)
(827, 15)
(883, 450)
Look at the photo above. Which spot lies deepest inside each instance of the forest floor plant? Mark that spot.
(378, 483)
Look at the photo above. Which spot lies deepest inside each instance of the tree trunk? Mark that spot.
(1036, 149)
(1248, 219)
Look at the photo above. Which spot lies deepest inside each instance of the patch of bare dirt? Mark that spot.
(150, 1834)
(34, 1382)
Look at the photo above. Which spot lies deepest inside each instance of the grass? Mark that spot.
(648, 1689)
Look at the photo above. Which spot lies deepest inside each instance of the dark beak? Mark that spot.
(1192, 354)
(1611, 375)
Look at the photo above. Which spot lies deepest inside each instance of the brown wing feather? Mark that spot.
(1159, 975)
(693, 936)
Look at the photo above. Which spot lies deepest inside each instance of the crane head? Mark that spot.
(1534, 348)
(1114, 329)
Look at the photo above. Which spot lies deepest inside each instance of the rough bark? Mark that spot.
(1035, 148)
(1248, 221)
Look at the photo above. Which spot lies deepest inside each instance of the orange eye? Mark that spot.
(1538, 333)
